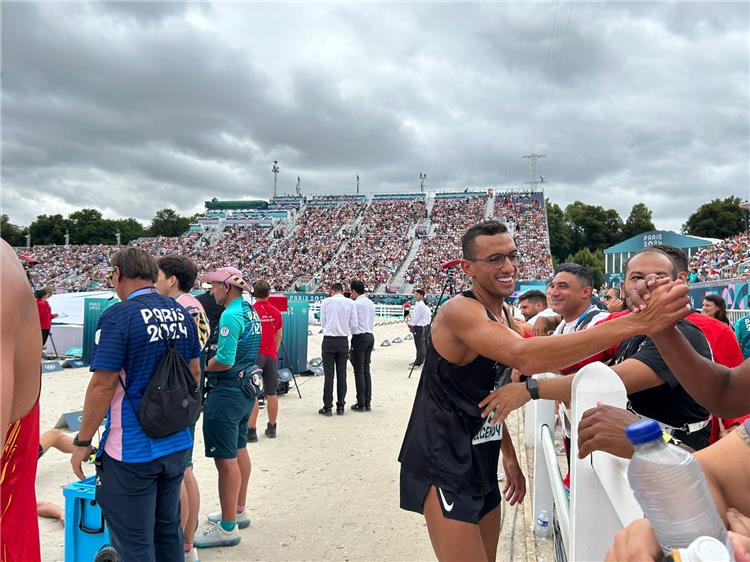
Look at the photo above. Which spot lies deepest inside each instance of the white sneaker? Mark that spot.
(243, 519)
(214, 535)
(192, 556)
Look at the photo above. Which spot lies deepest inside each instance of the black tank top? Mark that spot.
(447, 443)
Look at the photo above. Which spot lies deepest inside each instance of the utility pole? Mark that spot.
(534, 178)
(422, 178)
(275, 170)
(357, 184)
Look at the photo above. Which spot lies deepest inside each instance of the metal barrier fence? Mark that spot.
(601, 502)
(735, 315)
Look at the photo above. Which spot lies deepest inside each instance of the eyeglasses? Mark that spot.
(498, 260)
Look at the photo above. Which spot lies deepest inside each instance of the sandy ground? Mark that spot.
(325, 489)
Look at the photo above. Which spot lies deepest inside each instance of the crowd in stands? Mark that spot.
(313, 243)
(71, 268)
(376, 240)
(383, 242)
(450, 217)
(722, 260)
(526, 217)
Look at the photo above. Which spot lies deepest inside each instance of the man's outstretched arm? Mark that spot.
(722, 391)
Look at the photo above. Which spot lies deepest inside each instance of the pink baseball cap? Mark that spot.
(230, 275)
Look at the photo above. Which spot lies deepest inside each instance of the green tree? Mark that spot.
(167, 222)
(48, 229)
(560, 232)
(716, 219)
(130, 229)
(12, 234)
(639, 221)
(593, 226)
(593, 260)
(87, 226)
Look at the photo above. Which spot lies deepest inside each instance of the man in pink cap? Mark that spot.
(231, 395)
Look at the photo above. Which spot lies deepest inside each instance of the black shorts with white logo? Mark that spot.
(460, 507)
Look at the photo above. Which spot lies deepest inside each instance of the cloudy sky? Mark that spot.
(131, 107)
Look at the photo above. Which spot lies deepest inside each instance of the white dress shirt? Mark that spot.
(338, 316)
(365, 315)
(420, 315)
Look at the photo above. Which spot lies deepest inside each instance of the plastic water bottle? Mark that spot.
(543, 529)
(671, 489)
(702, 549)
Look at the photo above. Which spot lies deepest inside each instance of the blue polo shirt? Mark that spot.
(129, 341)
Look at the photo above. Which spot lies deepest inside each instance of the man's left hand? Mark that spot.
(603, 429)
(504, 400)
(77, 457)
(515, 481)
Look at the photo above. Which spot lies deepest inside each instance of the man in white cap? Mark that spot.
(231, 396)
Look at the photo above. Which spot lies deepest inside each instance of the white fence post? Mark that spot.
(545, 416)
(601, 501)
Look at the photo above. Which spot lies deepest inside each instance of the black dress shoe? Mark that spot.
(358, 408)
(339, 410)
(368, 408)
(325, 412)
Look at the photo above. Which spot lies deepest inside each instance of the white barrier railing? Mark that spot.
(601, 502)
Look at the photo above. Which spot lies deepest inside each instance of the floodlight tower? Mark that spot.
(357, 184)
(422, 178)
(298, 189)
(275, 169)
(534, 178)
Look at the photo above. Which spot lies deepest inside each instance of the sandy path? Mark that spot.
(325, 489)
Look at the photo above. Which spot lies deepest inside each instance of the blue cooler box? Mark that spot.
(86, 533)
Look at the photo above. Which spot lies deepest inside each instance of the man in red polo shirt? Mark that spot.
(270, 340)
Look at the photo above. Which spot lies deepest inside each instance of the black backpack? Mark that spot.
(171, 400)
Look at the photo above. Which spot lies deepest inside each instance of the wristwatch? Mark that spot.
(78, 443)
(532, 385)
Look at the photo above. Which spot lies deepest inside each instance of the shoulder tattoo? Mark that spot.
(742, 432)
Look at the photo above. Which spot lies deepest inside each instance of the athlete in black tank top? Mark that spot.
(447, 442)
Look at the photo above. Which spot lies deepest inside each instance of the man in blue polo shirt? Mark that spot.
(231, 395)
(138, 476)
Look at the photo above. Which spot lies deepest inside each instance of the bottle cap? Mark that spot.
(708, 549)
(643, 431)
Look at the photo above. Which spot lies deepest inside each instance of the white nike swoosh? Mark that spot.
(448, 507)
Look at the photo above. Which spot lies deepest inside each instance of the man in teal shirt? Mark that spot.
(742, 331)
(231, 396)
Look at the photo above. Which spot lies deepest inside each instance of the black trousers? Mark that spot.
(420, 342)
(362, 346)
(335, 355)
(141, 504)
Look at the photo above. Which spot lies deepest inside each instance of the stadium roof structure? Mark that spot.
(640, 241)
(216, 205)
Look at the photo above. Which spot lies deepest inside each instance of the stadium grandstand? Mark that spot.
(392, 241)
(726, 259)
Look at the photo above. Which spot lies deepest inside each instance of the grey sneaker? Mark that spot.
(192, 556)
(252, 435)
(214, 535)
(243, 519)
(271, 431)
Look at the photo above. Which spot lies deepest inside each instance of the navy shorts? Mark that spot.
(459, 507)
(225, 416)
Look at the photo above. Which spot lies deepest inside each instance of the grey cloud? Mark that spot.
(133, 107)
